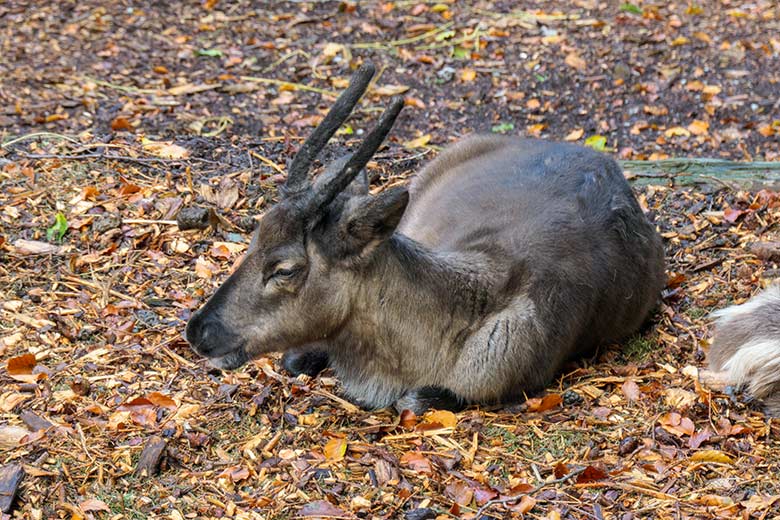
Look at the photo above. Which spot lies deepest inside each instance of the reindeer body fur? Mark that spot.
(504, 258)
(512, 257)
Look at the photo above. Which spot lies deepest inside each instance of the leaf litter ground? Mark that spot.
(138, 114)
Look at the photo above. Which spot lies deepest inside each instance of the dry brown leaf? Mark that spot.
(541, 404)
(34, 247)
(390, 90)
(417, 461)
(11, 436)
(445, 418)
(467, 75)
(335, 448)
(459, 492)
(631, 390)
(712, 456)
(676, 424)
(418, 142)
(165, 149)
(574, 135)
(575, 61)
(93, 504)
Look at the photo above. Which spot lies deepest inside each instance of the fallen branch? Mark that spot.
(505, 500)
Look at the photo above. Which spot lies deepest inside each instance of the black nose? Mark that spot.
(207, 335)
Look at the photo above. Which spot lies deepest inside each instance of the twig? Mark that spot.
(345, 404)
(401, 42)
(267, 161)
(296, 86)
(506, 500)
(149, 221)
(122, 88)
(38, 134)
(95, 286)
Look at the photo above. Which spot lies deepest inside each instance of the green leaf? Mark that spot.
(461, 53)
(444, 35)
(502, 128)
(346, 130)
(212, 53)
(597, 142)
(59, 228)
(541, 78)
(631, 8)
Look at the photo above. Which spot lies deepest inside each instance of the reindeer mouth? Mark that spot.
(231, 360)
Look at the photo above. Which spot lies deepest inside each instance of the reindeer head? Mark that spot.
(293, 286)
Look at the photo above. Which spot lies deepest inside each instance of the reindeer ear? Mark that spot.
(370, 219)
(359, 186)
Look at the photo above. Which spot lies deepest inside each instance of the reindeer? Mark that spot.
(503, 259)
(746, 346)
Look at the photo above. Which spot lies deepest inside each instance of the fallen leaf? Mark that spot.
(235, 473)
(34, 247)
(542, 404)
(677, 131)
(712, 456)
(574, 135)
(322, 508)
(591, 474)
(11, 436)
(93, 504)
(467, 75)
(335, 448)
(676, 424)
(444, 418)
(575, 61)
(459, 492)
(732, 214)
(417, 461)
(631, 390)
(698, 127)
(418, 142)
(390, 90)
(165, 149)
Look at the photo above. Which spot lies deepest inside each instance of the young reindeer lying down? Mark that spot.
(502, 260)
(747, 346)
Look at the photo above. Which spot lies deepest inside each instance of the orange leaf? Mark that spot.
(459, 492)
(591, 474)
(417, 461)
(573, 60)
(468, 75)
(335, 448)
(21, 365)
(445, 418)
(161, 400)
(676, 424)
(541, 404)
(408, 419)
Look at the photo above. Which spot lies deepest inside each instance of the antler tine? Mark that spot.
(360, 158)
(298, 175)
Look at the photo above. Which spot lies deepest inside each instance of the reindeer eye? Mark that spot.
(285, 272)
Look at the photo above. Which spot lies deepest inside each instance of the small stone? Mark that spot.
(195, 217)
(106, 223)
(424, 513)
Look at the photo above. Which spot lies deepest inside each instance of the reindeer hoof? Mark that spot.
(421, 399)
(309, 362)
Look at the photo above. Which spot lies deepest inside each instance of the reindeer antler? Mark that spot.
(298, 175)
(360, 158)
